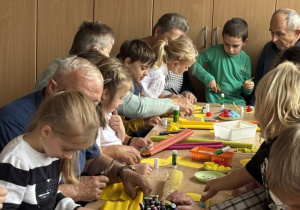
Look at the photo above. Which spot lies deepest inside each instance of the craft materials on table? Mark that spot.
(205, 154)
(188, 162)
(171, 140)
(173, 183)
(195, 144)
(232, 144)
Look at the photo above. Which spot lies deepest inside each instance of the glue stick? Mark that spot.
(222, 99)
(174, 159)
(156, 163)
(176, 114)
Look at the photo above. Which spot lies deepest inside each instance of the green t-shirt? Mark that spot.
(230, 73)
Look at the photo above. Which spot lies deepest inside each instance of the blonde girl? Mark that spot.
(112, 137)
(176, 55)
(277, 107)
(31, 163)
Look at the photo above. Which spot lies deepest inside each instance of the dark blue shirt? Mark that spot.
(15, 116)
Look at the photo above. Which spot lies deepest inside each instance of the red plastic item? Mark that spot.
(249, 109)
(199, 153)
(226, 111)
(221, 115)
(208, 114)
(226, 115)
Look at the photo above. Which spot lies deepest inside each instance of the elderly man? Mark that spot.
(285, 32)
(74, 74)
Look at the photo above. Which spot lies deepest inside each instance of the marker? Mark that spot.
(168, 132)
(220, 151)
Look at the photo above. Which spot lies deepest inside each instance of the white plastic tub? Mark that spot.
(235, 130)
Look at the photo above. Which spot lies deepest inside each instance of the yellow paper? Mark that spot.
(188, 162)
(244, 161)
(161, 162)
(196, 197)
(117, 198)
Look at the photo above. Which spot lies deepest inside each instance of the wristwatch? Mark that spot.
(120, 170)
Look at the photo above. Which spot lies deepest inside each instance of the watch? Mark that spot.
(120, 170)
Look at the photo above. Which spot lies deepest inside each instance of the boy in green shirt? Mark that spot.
(227, 66)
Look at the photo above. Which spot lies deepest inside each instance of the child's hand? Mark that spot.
(212, 86)
(151, 121)
(117, 125)
(210, 188)
(128, 154)
(248, 85)
(138, 143)
(189, 95)
(143, 168)
(3, 193)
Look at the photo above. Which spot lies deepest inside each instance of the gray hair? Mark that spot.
(292, 18)
(73, 64)
(91, 34)
(169, 21)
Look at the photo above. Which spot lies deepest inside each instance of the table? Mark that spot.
(158, 177)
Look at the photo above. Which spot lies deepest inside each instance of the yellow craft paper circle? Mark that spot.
(244, 161)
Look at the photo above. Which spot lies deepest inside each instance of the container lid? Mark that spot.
(174, 151)
(176, 107)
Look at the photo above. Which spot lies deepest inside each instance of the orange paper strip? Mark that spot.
(171, 140)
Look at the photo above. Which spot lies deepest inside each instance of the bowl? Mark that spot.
(206, 176)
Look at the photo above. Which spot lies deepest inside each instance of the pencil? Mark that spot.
(251, 79)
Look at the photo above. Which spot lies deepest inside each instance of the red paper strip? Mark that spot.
(171, 140)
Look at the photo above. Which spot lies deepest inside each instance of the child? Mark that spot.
(138, 56)
(283, 172)
(31, 163)
(277, 107)
(176, 55)
(228, 66)
(112, 134)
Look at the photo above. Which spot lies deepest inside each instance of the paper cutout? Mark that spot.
(161, 162)
(196, 197)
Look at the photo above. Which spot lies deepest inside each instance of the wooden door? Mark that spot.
(57, 23)
(293, 4)
(17, 48)
(129, 19)
(257, 13)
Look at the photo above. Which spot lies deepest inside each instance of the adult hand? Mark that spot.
(131, 179)
(138, 143)
(182, 201)
(210, 189)
(117, 125)
(212, 86)
(128, 154)
(151, 121)
(248, 85)
(84, 208)
(3, 193)
(189, 95)
(185, 105)
(88, 189)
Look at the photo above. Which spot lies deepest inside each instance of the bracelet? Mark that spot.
(129, 140)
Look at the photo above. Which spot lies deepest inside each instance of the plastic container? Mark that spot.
(235, 130)
(202, 154)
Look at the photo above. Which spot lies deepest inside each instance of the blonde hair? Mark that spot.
(116, 78)
(283, 172)
(180, 48)
(72, 116)
(278, 99)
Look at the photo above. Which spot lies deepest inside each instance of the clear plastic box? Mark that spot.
(235, 130)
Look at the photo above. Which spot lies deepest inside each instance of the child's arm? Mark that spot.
(116, 124)
(198, 70)
(232, 181)
(248, 84)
